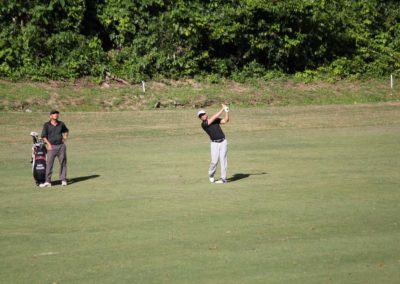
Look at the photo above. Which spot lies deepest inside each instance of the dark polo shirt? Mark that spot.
(213, 130)
(54, 133)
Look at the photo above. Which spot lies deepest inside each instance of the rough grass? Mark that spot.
(84, 96)
(313, 198)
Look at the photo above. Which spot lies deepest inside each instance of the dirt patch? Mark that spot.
(20, 106)
(202, 101)
(237, 87)
(179, 83)
(53, 101)
(84, 83)
(77, 101)
(157, 86)
(392, 104)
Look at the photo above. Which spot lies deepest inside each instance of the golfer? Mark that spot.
(219, 145)
(54, 133)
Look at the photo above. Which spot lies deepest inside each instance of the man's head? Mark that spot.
(54, 114)
(202, 115)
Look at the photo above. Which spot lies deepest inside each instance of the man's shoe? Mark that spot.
(64, 183)
(221, 181)
(212, 179)
(46, 184)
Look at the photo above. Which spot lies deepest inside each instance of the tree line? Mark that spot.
(151, 39)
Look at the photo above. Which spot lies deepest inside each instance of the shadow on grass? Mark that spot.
(240, 176)
(76, 179)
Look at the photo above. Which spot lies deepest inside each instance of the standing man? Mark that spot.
(54, 133)
(219, 145)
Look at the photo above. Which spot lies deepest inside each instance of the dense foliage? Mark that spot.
(135, 40)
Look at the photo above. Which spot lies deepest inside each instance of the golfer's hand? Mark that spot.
(49, 147)
(65, 136)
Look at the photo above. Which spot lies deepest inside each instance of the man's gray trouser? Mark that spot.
(219, 151)
(59, 151)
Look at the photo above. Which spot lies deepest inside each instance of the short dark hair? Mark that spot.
(54, 112)
(201, 114)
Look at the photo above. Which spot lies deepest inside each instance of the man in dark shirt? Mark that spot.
(54, 133)
(219, 145)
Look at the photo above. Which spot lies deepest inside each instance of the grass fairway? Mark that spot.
(314, 198)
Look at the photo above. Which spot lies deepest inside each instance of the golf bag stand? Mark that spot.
(38, 160)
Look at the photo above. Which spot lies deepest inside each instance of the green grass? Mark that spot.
(86, 96)
(316, 199)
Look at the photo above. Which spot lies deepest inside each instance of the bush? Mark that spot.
(140, 40)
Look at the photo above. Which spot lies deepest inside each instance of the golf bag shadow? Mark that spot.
(38, 160)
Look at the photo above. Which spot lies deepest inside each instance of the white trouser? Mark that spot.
(219, 151)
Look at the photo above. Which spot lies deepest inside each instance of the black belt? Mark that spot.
(219, 140)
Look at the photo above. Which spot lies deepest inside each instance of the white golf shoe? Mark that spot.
(221, 181)
(46, 184)
(64, 183)
(211, 179)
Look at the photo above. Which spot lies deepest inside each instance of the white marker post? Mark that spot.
(391, 81)
(144, 87)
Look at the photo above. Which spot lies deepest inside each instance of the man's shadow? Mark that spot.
(76, 179)
(240, 176)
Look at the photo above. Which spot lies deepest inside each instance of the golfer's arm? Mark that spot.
(46, 141)
(215, 116)
(65, 135)
(226, 118)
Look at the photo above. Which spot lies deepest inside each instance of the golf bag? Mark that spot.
(38, 160)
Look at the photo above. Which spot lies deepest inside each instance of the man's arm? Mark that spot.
(226, 118)
(65, 136)
(44, 136)
(215, 116)
(65, 132)
(49, 146)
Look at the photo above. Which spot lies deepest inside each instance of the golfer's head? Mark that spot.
(54, 114)
(202, 115)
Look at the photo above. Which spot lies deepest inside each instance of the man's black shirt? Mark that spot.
(54, 133)
(213, 130)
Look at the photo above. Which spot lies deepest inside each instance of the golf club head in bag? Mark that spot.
(35, 137)
(39, 152)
